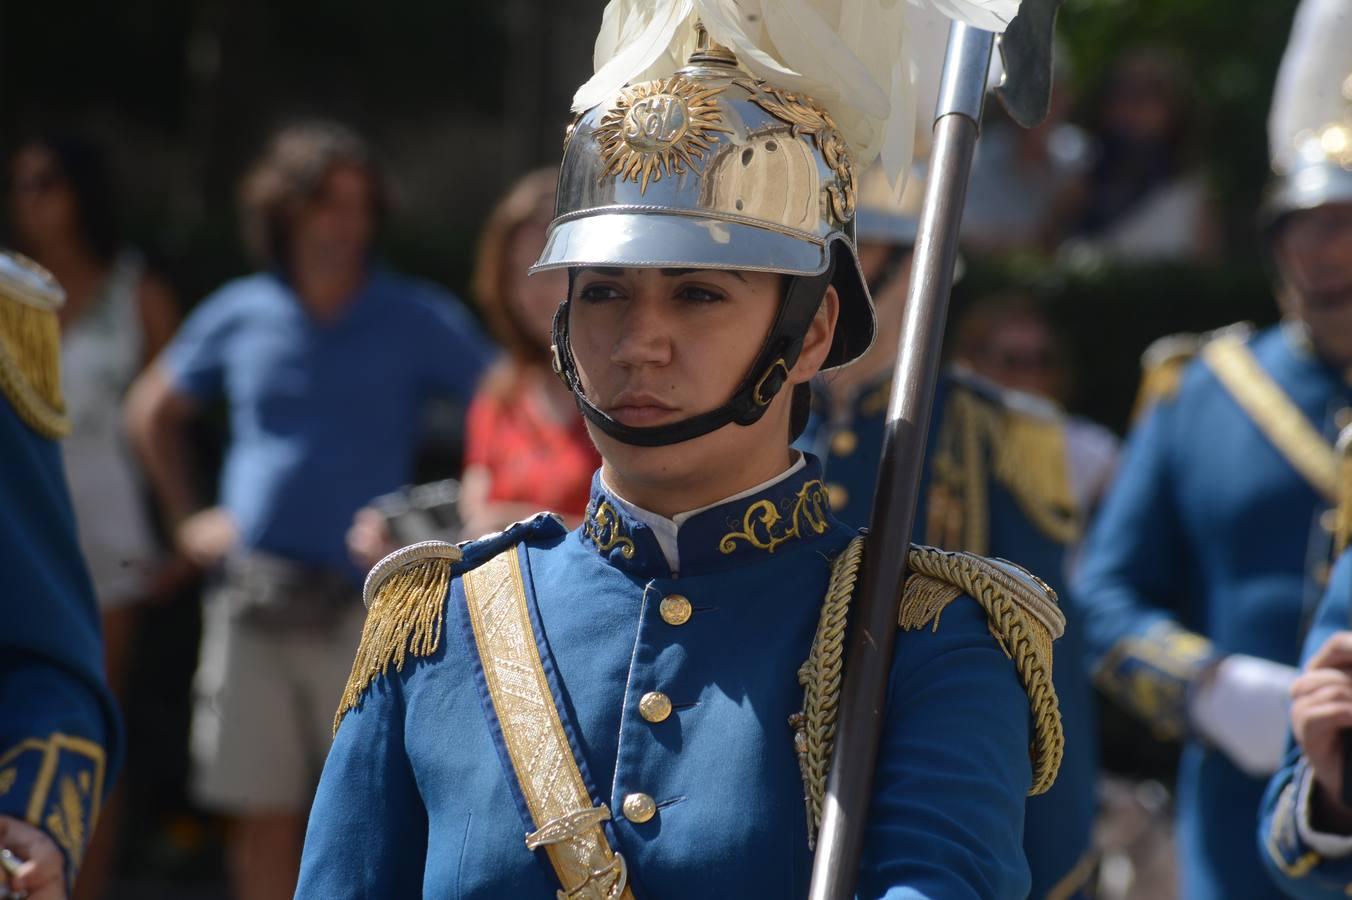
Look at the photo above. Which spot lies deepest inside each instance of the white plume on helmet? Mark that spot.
(852, 56)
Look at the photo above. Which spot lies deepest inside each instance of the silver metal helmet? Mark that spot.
(884, 217)
(1321, 175)
(710, 168)
(1310, 123)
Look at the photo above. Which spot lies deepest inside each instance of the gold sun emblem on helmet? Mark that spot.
(659, 128)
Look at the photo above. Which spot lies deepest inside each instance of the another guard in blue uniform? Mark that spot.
(639, 708)
(1210, 553)
(999, 485)
(1305, 833)
(58, 726)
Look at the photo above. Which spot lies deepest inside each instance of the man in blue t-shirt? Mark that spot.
(325, 361)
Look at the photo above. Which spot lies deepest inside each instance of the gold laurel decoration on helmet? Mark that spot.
(659, 128)
(807, 117)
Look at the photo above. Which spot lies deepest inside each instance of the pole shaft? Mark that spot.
(873, 624)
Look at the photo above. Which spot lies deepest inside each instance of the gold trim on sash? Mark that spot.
(567, 825)
(1280, 420)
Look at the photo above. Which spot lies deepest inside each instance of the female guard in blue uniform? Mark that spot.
(640, 707)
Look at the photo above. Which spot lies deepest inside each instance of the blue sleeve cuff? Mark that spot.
(1152, 674)
(56, 784)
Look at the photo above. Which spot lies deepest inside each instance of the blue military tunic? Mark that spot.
(59, 732)
(1298, 869)
(416, 799)
(968, 506)
(1213, 541)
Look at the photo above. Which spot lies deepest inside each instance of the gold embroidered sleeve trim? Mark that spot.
(67, 790)
(567, 824)
(1280, 420)
(405, 596)
(1024, 619)
(1150, 674)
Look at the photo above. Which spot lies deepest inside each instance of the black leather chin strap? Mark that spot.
(766, 377)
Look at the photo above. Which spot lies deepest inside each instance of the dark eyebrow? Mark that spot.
(615, 272)
(677, 273)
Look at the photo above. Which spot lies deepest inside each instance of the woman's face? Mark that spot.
(42, 206)
(656, 346)
(532, 299)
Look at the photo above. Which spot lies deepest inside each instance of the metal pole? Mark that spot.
(873, 625)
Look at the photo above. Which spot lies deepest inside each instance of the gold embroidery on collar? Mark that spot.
(765, 528)
(606, 531)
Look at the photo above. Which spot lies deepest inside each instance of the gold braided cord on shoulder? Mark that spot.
(1024, 619)
(30, 366)
(821, 678)
(406, 600)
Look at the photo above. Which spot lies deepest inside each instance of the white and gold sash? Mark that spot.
(567, 823)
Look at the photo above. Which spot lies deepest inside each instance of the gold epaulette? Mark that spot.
(30, 345)
(405, 596)
(1024, 618)
(1164, 361)
(1013, 437)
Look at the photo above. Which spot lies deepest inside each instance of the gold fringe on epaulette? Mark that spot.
(405, 618)
(30, 366)
(820, 677)
(922, 602)
(1158, 382)
(1023, 626)
(1031, 459)
(979, 440)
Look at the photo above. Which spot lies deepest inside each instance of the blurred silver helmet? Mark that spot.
(1320, 176)
(1310, 123)
(712, 168)
(884, 217)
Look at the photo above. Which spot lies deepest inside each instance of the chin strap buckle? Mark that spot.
(758, 393)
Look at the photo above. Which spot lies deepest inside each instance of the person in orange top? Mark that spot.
(526, 449)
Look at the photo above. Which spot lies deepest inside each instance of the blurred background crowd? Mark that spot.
(157, 153)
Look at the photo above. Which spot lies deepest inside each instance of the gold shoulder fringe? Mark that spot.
(1162, 366)
(1030, 457)
(406, 605)
(30, 366)
(1014, 439)
(1023, 617)
(820, 676)
(1164, 361)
